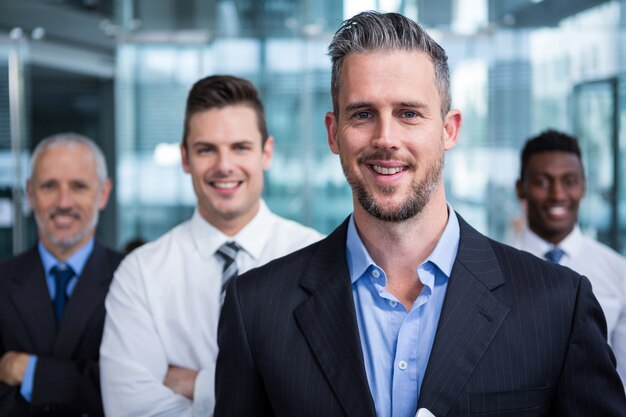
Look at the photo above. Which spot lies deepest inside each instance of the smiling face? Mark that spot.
(553, 186)
(226, 161)
(389, 133)
(66, 197)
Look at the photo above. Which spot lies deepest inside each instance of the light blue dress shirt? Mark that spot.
(77, 262)
(396, 344)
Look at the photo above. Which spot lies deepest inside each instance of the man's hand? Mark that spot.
(181, 380)
(13, 367)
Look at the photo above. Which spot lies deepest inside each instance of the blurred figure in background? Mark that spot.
(552, 184)
(160, 340)
(52, 297)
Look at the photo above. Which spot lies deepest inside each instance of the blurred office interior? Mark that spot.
(118, 71)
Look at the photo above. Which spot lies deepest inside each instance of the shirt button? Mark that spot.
(393, 303)
(402, 365)
(376, 273)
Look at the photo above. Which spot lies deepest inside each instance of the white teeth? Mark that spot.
(387, 171)
(226, 185)
(557, 211)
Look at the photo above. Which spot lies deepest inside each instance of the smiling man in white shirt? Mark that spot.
(159, 345)
(552, 184)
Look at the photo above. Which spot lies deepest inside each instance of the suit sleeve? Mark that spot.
(133, 362)
(239, 388)
(618, 339)
(11, 401)
(589, 384)
(74, 384)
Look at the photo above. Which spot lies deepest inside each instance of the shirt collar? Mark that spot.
(443, 255)
(251, 238)
(76, 261)
(570, 245)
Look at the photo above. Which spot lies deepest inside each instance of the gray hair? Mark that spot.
(373, 31)
(70, 140)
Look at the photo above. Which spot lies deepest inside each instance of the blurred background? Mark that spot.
(119, 71)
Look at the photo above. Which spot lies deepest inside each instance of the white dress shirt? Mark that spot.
(606, 270)
(163, 308)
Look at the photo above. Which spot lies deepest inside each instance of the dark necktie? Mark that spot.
(228, 252)
(62, 277)
(554, 255)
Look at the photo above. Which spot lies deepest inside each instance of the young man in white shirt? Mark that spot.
(552, 184)
(159, 345)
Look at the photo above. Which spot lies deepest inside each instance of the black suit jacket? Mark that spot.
(516, 337)
(66, 381)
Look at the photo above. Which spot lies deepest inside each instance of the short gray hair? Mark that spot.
(70, 139)
(373, 31)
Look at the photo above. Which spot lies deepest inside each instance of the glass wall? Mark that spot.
(518, 67)
(14, 141)
(512, 84)
(509, 82)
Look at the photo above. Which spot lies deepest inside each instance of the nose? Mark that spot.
(64, 197)
(557, 190)
(225, 162)
(385, 136)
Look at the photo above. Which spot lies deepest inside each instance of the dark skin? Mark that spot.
(553, 186)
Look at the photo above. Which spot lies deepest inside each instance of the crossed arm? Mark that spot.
(13, 367)
(137, 377)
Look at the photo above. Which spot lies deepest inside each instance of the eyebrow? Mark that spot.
(364, 104)
(237, 142)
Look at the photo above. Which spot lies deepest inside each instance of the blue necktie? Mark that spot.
(554, 255)
(62, 277)
(228, 252)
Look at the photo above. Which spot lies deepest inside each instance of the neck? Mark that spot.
(60, 252)
(553, 238)
(230, 226)
(399, 248)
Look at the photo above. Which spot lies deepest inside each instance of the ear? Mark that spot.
(105, 191)
(519, 189)
(451, 127)
(331, 130)
(268, 153)
(30, 191)
(184, 157)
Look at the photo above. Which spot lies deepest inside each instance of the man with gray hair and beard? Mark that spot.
(52, 296)
(405, 307)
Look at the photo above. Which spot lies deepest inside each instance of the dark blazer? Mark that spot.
(517, 337)
(67, 381)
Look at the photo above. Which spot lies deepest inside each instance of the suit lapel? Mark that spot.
(470, 318)
(31, 299)
(87, 296)
(328, 321)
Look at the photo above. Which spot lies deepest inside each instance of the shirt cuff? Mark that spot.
(204, 392)
(29, 377)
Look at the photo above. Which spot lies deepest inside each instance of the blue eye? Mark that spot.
(362, 115)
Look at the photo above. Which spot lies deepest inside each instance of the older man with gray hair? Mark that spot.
(52, 296)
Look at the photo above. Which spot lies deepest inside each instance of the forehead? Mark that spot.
(554, 163)
(66, 161)
(396, 74)
(227, 124)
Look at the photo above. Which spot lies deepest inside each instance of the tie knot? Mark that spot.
(554, 255)
(228, 251)
(62, 275)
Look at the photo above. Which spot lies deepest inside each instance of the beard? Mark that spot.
(69, 242)
(419, 194)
